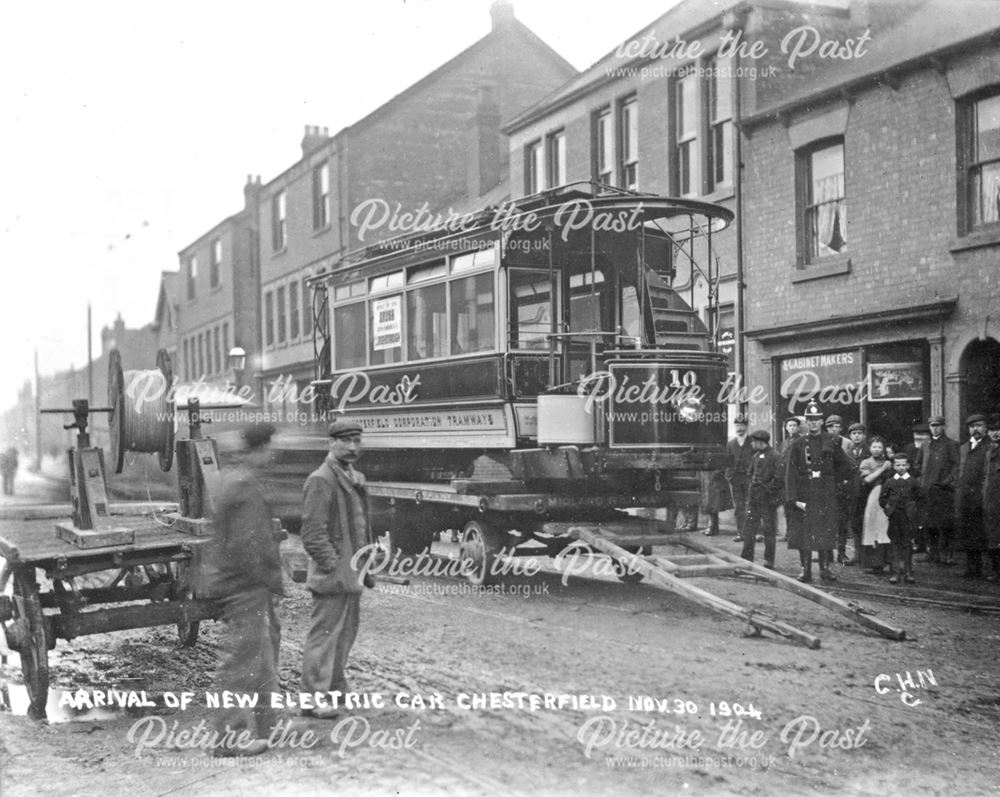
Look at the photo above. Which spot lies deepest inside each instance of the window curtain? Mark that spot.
(831, 213)
(991, 194)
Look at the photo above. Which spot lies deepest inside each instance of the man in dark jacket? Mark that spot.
(939, 461)
(765, 490)
(969, 496)
(739, 451)
(857, 452)
(816, 465)
(246, 577)
(991, 497)
(335, 526)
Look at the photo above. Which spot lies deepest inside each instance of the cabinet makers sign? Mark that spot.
(833, 378)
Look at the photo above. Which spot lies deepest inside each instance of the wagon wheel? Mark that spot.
(187, 630)
(27, 634)
(625, 573)
(481, 544)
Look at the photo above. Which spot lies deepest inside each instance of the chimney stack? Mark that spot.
(501, 14)
(485, 152)
(314, 138)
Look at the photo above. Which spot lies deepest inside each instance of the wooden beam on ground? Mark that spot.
(851, 610)
(661, 577)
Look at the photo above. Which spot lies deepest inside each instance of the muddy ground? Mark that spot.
(832, 721)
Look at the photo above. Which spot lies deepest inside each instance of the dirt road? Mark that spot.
(527, 690)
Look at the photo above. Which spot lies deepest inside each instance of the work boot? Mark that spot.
(805, 559)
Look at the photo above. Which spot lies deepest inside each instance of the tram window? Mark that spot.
(531, 310)
(585, 301)
(427, 271)
(386, 281)
(342, 292)
(476, 259)
(427, 322)
(630, 312)
(348, 336)
(472, 314)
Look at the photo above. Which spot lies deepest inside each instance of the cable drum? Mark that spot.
(143, 417)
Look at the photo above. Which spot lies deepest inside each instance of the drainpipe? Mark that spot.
(738, 23)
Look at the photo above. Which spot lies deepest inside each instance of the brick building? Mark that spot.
(216, 292)
(871, 199)
(655, 119)
(435, 145)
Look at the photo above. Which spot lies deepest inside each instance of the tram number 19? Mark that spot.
(688, 379)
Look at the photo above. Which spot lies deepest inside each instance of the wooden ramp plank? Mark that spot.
(661, 577)
(848, 609)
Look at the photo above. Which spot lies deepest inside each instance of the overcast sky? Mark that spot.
(129, 129)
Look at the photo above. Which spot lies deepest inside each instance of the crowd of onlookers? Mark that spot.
(861, 501)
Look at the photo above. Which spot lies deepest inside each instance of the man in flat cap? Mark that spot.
(971, 530)
(244, 571)
(939, 469)
(816, 465)
(335, 525)
(765, 491)
(738, 453)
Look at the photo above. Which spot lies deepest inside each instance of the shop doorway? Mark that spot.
(981, 387)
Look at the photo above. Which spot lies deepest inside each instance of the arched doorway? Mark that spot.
(981, 386)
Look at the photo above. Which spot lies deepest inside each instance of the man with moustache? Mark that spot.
(739, 452)
(335, 525)
(969, 496)
(939, 468)
(816, 466)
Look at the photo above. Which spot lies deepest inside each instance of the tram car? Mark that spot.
(526, 367)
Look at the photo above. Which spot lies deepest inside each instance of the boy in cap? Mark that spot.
(245, 571)
(853, 509)
(899, 500)
(334, 527)
(765, 491)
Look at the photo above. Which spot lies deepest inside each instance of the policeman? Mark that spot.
(816, 465)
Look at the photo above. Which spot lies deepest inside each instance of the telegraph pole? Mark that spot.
(90, 359)
(38, 417)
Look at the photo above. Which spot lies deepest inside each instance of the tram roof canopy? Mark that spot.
(573, 207)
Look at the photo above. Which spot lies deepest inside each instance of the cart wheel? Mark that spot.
(626, 574)
(480, 547)
(187, 631)
(29, 637)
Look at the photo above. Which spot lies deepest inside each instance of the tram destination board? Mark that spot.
(657, 404)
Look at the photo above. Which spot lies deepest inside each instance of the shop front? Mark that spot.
(885, 386)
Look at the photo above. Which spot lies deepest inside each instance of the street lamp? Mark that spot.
(237, 362)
